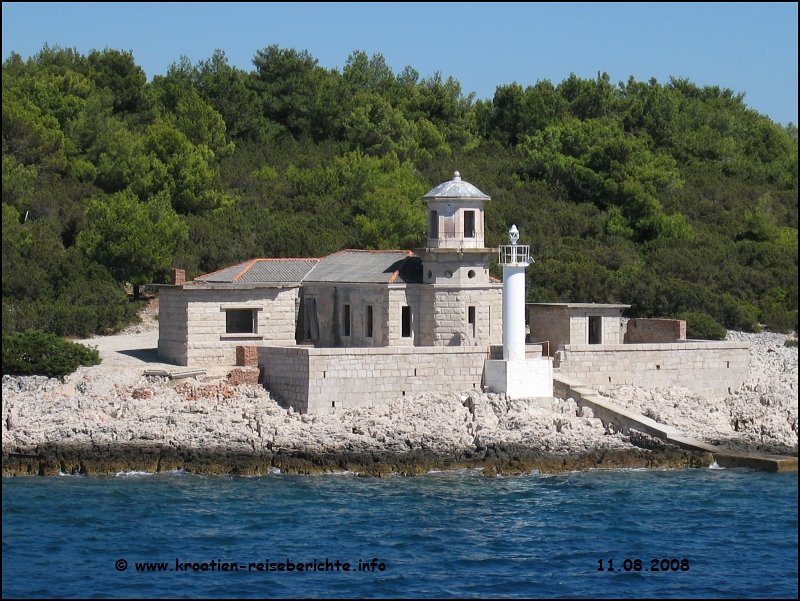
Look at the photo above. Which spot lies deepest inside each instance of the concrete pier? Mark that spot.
(625, 419)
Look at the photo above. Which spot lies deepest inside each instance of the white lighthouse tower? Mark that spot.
(515, 374)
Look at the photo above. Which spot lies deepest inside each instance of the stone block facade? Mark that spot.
(330, 301)
(573, 323)
(193, 326)
(446, 317)
(173, 338)
(548, 324)
(643, 331)
(711, 369)
(321, 380)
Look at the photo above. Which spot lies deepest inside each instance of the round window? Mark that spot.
(448, 274)
(471, 273)
(430, 274)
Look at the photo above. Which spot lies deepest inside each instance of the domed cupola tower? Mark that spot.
(462, 306)
(455, 252)
(455, 215)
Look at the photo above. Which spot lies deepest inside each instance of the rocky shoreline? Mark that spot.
(110, 419)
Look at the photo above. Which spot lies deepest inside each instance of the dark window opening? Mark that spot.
(471, 320)
(346, 320)
(240, 321)
(310, 321)
(369, 322)
(469, 224)
(595, 330)
(405, 331)
(433, 224)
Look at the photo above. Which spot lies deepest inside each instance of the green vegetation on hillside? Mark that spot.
(671, 197)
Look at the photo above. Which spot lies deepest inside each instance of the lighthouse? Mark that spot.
(517, 375)
(514, 258)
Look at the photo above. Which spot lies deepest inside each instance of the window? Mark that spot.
(368, 322)
(469, 224)
(595, 330)
(240, 321)
(346, 320)
(471, 321)
(310, 321)
(405, 330)
(433, 224)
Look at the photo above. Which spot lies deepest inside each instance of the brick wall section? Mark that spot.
(178, 277)
(247, 375)
(710, 369)
(320, 380)
(655, 330)
(246, 356)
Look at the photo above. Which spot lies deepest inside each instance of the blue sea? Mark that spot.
(689, 533)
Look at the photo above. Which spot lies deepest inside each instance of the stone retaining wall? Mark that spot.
(711, 369)
(319, 380)
(644, 331)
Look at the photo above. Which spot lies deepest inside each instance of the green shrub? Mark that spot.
(790, 342)
(36, 353)
(702, 327)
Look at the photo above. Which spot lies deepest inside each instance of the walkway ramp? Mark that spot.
(625, 419)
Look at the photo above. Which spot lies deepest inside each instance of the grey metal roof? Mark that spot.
(364, 266)
(456, 188)
(262, 271)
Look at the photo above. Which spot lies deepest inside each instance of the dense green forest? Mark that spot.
(668, 196)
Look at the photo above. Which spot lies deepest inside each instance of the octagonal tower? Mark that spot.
(461, 305)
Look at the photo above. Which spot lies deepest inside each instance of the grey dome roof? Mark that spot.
(456, 188)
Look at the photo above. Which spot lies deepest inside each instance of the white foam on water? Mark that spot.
(715, 466)
(132, 474)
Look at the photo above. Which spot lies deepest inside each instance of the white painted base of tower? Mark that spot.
(520, 379)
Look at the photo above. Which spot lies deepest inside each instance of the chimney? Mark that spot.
(178, 277)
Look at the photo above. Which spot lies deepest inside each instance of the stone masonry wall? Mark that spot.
(611, 327)
(400, 296)
(320, 380)
(207, 341)
(712, 369)
(548, 324)
(330, 299)
(445, 322)
(172, 330)
(655, 330)
(284, 372)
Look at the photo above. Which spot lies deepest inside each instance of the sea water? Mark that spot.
(695, 533)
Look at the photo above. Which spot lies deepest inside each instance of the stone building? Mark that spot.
(358, 328)
(558, 324)
(298, 311)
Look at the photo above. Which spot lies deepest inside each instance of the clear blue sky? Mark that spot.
(749, 48)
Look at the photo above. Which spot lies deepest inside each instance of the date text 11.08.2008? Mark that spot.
(636, 565)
